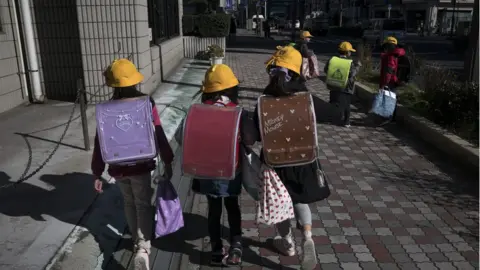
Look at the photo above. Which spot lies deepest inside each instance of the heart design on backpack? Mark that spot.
(124, 122)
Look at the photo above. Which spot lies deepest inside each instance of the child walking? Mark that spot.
(302, 181)
(134, 180)
(341, 72)
(220, 88)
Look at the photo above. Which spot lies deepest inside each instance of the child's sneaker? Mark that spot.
(218, 257)
(284, 245)
(309, 256)
(141, 261)
(235, 254)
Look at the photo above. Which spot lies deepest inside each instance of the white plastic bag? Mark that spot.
(275, 204)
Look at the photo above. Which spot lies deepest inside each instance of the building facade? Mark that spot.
(77, 39)
(426, 15)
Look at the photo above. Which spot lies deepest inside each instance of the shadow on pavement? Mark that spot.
(196, 227)
(324, 111)
(69, 198)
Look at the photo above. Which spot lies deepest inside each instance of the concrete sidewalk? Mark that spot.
(55, 219)
(37, 216)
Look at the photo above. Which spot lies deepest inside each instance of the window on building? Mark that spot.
(163, 18)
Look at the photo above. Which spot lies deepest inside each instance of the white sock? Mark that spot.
(307, 234)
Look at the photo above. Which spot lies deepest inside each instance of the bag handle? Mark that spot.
(157, 169)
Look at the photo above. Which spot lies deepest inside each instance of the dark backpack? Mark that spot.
(404, 69)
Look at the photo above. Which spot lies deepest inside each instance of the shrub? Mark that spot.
(214, 25)
(202, 55)
(206, 25)
(355, 31)
(450, 102)
(364, 55)
(215, 51)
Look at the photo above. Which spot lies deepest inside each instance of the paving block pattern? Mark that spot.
(395, 203)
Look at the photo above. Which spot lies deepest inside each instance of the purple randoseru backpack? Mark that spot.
(125, 130)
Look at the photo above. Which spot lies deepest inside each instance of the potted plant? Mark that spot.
(216, 54)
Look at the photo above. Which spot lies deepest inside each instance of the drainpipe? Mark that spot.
(38, 96)
(19, 49)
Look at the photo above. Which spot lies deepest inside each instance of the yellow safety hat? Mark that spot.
(218, 78)
(391, 40)
(346, 47)
(122, 73)
(287, 57)
(305, 34)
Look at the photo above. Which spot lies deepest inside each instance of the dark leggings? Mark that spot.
(214, 218)
(345, 100)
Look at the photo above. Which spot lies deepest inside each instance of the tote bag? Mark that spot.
(275, 204)
(168, 214)
(384, 103)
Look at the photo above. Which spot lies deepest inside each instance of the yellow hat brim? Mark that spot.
(126, 82)
(208, 89)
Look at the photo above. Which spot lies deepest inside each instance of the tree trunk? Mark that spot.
(471, 56)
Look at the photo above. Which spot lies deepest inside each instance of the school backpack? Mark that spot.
(211, 141)
(125, 130)
(403, 69)
(288, 129)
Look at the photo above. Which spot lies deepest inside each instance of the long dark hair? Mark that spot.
(231, 93)
(126, 92)
(278, 85)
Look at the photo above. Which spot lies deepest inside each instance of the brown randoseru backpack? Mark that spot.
(288, 129)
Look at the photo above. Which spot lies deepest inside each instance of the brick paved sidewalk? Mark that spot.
(395, 203)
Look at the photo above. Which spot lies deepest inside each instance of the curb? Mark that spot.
(430, 132)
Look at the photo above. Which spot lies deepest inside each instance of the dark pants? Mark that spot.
(267, 34)
(344, 105)
(214, 219)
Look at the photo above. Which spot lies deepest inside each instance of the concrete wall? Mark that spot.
(156, 62)
(11, 94)
(120, 30)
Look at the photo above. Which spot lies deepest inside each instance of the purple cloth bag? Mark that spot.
(169, 212)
